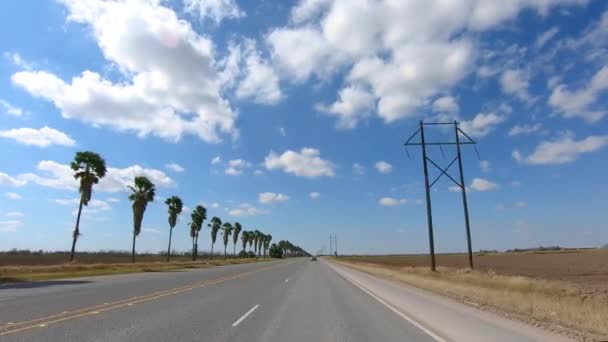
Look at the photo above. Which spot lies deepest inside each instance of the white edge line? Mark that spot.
(395, 310)
(245, 316)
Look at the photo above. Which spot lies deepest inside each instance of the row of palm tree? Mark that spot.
(90, 167)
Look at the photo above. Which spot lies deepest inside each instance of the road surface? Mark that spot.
(291, 300)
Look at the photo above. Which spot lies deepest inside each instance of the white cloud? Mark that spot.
(246, 209)
(151, 230)
(314, 195)
(485, 166)
(482, 124)
(60, 176)
(216, 160)
(169, 69)
(217, 10)
(354, 104)
(10, 109)
(112, 200)
(174, 167)
(14, 214)
(215, 205)
(577, 103)
(282, 131)
(10, 226)
(17, 60)
(446, 104)
(480, 184)
(383, 167)
(358, 169)
(306, 163)
(561, 151)
(96, 204)
(524, 129)
(516, 82)
(391, 202)
(236, 167)
(271, 197)
(10, 181)
(258, 172)
(13, 195)
(403, 53)
(545, 37)
(521, 204)
(260, 82)
(42, 137)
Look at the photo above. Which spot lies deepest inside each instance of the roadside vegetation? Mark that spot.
(89, 169)
(565, 306)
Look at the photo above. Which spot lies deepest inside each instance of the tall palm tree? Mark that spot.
(142, 193)
(256, 240)
(245, 239)
(215, 226)
(251, 238)
(226, 230)
(261, 243)
(89, 168)
(267, 243)
(175, 205)
(235, 236)
(199, 215)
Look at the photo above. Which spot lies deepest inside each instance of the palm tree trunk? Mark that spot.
(76, 230)
(211, 257)
(193, 248)
(169, 249)
(196, 248)
(133, 250)
(225, 251)
(234, 249)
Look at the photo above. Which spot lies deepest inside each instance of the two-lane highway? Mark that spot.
(291, 300)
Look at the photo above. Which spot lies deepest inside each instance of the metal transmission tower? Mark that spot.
(444, 171)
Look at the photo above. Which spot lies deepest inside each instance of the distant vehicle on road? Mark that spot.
(313, 258)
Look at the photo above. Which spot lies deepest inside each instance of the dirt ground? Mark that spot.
(586, 269)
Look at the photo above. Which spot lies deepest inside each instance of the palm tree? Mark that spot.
(251, 238)
(199, 215)
(267, 243)
(89, 168)
(227, 230)
(256, 240)
(244, 239)
(215, 226)
(261, 243)
(235, 236)
(175, 208)
(142, 193)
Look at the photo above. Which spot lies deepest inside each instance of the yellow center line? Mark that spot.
(45, 321)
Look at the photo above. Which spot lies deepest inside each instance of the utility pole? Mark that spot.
(444, 171)
(336, 243)
(331, 244)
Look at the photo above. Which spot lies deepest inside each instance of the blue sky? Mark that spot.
(289, 117)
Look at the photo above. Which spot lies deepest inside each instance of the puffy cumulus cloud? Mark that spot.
(391, 202)
(246, 209)
(383, 167)
(42, 137)
(13, 196)
(314, 195)
(561, 151)
(60, 176)
(93, 203)
(354, 104)
(446, 104)
(171, 84)
(10, 109)
(516, 82)
(216, 10)
(482, 124)
(578, 103)
(10, 181)
(10, 226)
(478, 184)
(271, 197)
(175, 167)
(306, 163)
(235, 167)
(525, 129)
(400, 53)
(216, 160)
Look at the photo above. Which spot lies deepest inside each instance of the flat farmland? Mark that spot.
(586, 269)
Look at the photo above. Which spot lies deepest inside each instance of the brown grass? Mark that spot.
(78, 269)
(543, 302)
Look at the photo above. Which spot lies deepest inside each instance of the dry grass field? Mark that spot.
(564, 291)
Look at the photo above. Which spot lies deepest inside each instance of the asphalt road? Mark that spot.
(292, 300)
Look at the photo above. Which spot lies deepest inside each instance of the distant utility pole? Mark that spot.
(428, 186)
(333, 244)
